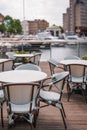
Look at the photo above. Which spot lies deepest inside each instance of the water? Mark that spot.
(58, 53)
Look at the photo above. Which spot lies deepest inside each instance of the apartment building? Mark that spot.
(35, 26)
(76, 16)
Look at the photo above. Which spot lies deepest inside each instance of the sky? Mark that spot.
(50, 10)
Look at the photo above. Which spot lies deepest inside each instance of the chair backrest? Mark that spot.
(1, 67)
(28, 66)
(71, 57)
(76, 70)
(10, 55)
(57, 84)
(32, 59)
(52, 65)
(21, 94)
(58, 80)
(8, 65)
(37, 58)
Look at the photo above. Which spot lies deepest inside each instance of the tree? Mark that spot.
(61, 29)
(2, 28)
(13, 26)
(17, 26)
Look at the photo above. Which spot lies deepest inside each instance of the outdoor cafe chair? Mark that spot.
(35, 59)
(1, 67)
(51, 93)
(54, 64)
(8, 65)
(28, 66)
(71, 57)
(21, 103)
(10, 55)
(2, 99)
(76, 81)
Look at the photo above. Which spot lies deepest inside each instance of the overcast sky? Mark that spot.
(50, 10)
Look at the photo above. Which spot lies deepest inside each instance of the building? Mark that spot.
(25, 27)
(76, 17)
(54, 30)
(35, 26)
(1, 18)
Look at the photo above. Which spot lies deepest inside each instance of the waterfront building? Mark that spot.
(77, 15)
(35, 26)
(54, 30)
(25, 27)
(66, 21)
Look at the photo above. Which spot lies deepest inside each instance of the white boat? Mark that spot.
(46, 36)
(71, 39)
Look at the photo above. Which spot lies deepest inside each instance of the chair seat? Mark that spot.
(77, 79)
(22, 108)
(17, 64)
(49, 95)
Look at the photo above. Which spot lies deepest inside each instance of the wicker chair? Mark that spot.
(35, 59)
(22, 103)
(2, 99)
(28, 66)
(53, 65)
(76, 81)
(10, 55)
(51, 93)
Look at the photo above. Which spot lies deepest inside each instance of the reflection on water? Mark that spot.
(58, 53)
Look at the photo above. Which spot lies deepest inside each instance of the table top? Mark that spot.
(67, 62)
(3, 60)
(23, 55)
(22, 76)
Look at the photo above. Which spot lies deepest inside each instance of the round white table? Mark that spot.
(3, 60)
(22, 76)
(67, 62)
(23, 55)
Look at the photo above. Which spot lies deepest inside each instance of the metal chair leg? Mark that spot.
(63, 119)
(2, 115)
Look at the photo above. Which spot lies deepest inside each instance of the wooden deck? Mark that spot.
(50, 118)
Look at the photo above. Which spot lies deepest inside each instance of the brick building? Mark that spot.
(75, 19)
(32, 27)
(1, 18)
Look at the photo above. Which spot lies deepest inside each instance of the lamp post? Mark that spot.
(24, 17)
(23, 23)
(23, 10)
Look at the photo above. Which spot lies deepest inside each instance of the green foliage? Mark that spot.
(21, 52)
(2, 28)
(84, 57)
(13, 26)
(17, 26)
(61, 29)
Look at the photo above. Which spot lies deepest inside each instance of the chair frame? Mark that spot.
(54, 64)
(2, 100)
(8, 61)
(13, 115)
(34, 60)
(28, 66)
(76, 84)
(11, 56)
(51, 85)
